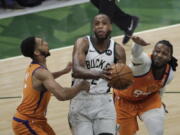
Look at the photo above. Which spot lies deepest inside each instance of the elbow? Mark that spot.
(135, 54)
(76, 73)
(61, 97)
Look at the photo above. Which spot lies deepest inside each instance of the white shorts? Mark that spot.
(92, 114)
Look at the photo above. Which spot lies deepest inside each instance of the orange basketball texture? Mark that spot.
(121, 75)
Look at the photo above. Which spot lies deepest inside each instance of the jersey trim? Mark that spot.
(26, 123)
(92, 42)
(142, 74)
(115, 60)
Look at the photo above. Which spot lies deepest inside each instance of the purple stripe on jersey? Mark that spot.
(26, 123)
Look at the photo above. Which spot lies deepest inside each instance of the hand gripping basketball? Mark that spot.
(121, 76)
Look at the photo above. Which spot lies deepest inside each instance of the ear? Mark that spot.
(153, 52)
(110, 27)
(36, 52)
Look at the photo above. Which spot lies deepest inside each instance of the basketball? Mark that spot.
(121, 76)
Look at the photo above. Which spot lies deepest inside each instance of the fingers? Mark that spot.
(69, 64)
(68, 67)
(108, 69)
(139, 41)
(106, 75)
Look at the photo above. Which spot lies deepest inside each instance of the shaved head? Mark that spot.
(102, 16)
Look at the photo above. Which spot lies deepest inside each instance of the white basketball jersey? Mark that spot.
(97, 61)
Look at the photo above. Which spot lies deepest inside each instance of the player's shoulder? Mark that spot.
(82, 43)
(83, 39)
(41, 73)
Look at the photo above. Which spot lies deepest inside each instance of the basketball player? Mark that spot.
(124, 21)
(142, 99)
(39, 83)
(93, 112)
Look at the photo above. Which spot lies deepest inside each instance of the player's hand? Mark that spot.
(138, 40)
(83, 85)
(106, 74)
(68, 67)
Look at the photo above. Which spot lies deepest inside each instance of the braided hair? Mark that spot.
(173, 62)
(28, 47)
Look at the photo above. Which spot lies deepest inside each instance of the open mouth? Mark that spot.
(101, 32)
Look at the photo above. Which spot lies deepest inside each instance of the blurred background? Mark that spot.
(60, 22)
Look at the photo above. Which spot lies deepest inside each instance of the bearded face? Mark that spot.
(102, 27)
(42, 47)
(161, 55)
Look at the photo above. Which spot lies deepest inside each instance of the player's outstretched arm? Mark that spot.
(137, 48)
(140, 61)
(58, 91)
(66, 70)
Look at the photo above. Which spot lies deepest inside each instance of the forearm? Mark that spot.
(63, 94)
(83, 73)
(136, 50)
(60, 92)
(58, 74)
(69, 93)
(140, 61)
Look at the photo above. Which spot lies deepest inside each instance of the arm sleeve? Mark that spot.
(140, 61)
